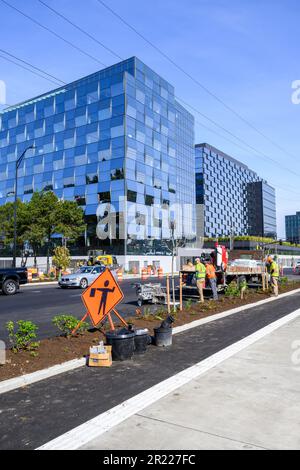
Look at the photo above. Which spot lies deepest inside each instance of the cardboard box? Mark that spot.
(100, 356)
(101, 360)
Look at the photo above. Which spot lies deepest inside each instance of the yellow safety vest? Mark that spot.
(200, 271)
(274, 269)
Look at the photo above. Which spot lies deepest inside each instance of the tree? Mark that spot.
(61, 259)
(48, 216)
(42, 219)
(39, 219)
(70, 220)
(7, 222)
(35, 236)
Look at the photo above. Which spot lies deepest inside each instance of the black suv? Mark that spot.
(11, 279)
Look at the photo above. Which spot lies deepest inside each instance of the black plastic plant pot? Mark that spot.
(122, 342)
(141, 340)
(163, 337)
(167, 323)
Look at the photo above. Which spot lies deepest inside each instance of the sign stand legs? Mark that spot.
(81, 321)
(108, 315)
(120, 317)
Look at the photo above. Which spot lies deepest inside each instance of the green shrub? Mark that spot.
(232, 290)
(61, 258)
(67, 323)
(22, 337)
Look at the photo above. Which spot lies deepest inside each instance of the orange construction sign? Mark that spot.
(101, 297)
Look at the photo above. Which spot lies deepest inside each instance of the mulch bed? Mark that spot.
(57, 350)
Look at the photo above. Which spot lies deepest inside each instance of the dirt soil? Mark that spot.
(57, 350)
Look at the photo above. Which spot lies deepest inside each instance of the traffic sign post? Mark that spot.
(100, 299)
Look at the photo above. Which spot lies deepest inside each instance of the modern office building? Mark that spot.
(292, 228)
(231, 199)
(117, 136)
(261, 201)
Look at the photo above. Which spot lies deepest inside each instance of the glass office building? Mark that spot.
(115, 137)
(261, 203)
(231, 198)
(292, 228)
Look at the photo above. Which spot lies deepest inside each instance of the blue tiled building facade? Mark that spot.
(292, 228)
(118, 133)
(231, 198)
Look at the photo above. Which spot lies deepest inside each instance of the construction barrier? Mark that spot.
(120, 275)
(160, 272)
(144, 273)
(32, 274)
(66, 272)
(149, 270)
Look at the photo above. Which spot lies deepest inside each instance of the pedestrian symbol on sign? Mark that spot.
(101, 298)
(105, 291)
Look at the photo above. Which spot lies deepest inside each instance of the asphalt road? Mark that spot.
(41, 303)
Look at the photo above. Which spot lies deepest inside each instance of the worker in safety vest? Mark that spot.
(212, 278)
(200, 278)
(274, 273)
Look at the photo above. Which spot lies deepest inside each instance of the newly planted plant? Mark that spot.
(283, 281)
(147, 314)
(67, 323)
(22, 334)
(188, 305)
(232, 290)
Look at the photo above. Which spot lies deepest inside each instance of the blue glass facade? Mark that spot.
(261, 202)
(117, 133)
(230, 197)
(292, 228)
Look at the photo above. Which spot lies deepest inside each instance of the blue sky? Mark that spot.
(244, 51)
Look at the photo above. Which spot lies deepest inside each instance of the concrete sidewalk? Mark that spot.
(251, 401)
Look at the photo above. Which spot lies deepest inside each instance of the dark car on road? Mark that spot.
(11, 279)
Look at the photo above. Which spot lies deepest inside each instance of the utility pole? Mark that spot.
(18, 164)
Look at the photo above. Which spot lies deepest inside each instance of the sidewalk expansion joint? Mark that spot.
(201, 431)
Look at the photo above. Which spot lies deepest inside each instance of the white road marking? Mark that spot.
(95, 427)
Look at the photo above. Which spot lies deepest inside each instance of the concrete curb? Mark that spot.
(38, 284)
(28, 379)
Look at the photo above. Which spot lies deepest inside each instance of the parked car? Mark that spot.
(11, 279)
(83, 277)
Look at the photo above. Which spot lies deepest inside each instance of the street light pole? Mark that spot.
(18, 164)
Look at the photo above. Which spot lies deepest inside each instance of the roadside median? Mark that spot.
(60, 350)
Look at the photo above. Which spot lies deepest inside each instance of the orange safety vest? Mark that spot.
(210, 271)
